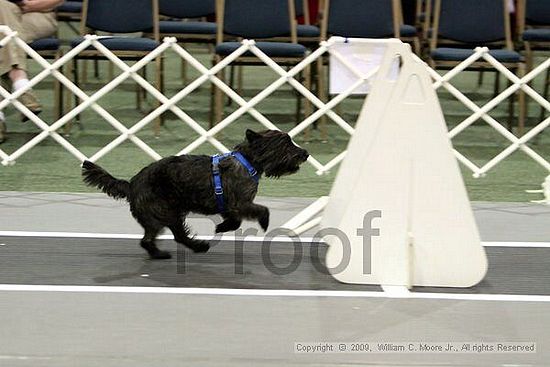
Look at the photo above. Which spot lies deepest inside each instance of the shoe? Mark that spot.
(3, 132)
(30, 101)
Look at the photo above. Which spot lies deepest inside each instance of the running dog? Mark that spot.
(165, 192)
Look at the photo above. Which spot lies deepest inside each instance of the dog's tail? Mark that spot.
(97, 177)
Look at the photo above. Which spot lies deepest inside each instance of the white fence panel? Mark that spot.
(248, 106)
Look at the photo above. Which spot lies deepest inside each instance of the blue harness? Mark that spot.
(218, 187)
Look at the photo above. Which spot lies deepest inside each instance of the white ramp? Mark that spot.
(401, 178)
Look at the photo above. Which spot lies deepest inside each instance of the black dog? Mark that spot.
(165, 192)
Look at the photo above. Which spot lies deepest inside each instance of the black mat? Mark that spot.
(115, 262)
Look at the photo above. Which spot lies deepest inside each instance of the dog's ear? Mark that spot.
(251, 135)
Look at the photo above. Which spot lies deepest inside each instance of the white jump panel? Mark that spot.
(400, 162)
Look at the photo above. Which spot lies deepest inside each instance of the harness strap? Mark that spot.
(251, 170)
(218, 186)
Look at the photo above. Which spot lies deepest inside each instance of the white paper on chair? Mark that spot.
(364, 58)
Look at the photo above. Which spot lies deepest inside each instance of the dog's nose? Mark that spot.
(305, 154)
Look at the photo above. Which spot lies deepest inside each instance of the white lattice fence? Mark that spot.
(208, 75)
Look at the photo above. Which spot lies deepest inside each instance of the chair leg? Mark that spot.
(111, 71)
(211, 113)
(308, 110)
(480, 78)
(511, 101)
(139, 95)
(216, 97)
(66, 101)
(57, 99)
(84, 76)
(58, 96)
(298, 113)
(77, 83)
(160, 87)
(183, 71)
(240, 80)
(417, 46)
(529, 67)
(496, 91)
(238, 71)
(522, 105)
(322, 96)
(545, 94)
(219, 96)
(232, 82)
(66, 106)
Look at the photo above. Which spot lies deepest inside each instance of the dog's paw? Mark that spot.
(264, 220)
(154, 252)
(228, 225)
(160, 255)
(221, 228)
(199, 246)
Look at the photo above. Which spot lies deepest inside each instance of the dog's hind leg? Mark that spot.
(230, 223)
(181, 235)
(256, 212)
(148, 243)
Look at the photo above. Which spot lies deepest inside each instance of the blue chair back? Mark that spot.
(360, 18)
(257, 19)
(187, 8)
(299, 5)
(537, 12)
(120, 16)
(475, 22)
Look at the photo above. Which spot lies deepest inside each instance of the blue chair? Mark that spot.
(70, 8)
(535, 33)
(69, 12)
(259, 20)
(461, 26)
(307, 33)
(186, 28)
(367, 19)
(115, 17)
(361, 19)
(186, 20)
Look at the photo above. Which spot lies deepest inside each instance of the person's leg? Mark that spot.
(11, 56)
(30, 26)
(33, 26)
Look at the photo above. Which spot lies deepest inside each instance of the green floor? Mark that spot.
(48, 167)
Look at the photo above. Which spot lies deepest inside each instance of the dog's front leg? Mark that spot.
(256, 212)
(230, 223)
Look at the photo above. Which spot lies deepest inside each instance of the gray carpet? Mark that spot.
(118, 262)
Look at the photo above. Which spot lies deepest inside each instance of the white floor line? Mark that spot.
(272, 293)
(223, 238)
(516, 244)
(396, 290)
